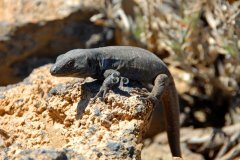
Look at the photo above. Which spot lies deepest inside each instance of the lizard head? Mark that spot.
(75, 63)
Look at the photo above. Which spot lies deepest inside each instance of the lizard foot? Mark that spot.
(93, 100)
(108, 83)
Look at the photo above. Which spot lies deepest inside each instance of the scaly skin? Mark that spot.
(112, 63)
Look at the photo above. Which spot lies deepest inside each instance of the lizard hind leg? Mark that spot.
(160, 83)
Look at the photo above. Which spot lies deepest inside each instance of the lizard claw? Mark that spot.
(101, 97)
(95, 98)
(101, 94)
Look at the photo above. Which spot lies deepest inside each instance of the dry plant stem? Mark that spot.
(232, 154)
(229, 144)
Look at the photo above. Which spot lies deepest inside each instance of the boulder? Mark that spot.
(53, 115)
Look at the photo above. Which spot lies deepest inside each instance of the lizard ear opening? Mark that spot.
(91, 63)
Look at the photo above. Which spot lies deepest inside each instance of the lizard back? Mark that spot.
(132, 62)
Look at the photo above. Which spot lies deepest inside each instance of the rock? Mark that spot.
(32, 11)
(50, 154)
(33, 33)
(45, 112)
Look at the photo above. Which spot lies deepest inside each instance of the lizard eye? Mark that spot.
(115, 79)
(70, 63)
(125, 80)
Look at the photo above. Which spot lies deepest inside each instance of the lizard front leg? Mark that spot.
(164, 89)
(111, 78)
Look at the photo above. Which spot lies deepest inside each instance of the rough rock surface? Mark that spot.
(45, 112)
(30, 11)
(47, 154)
(32, 33)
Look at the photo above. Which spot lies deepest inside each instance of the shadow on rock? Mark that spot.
(90, 89)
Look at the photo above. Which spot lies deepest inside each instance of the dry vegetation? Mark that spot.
(199, 37)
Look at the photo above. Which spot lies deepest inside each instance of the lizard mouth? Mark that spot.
(65, 74)
(55, 71)
(61, 72)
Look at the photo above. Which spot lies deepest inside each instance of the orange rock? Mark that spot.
(48, 113)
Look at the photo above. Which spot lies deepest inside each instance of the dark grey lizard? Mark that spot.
(109, 63)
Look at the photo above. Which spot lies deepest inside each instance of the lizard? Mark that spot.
(137, 64)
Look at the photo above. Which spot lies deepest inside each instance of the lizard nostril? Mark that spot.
(53, 69)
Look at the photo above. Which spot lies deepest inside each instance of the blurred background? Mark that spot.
(198, 40)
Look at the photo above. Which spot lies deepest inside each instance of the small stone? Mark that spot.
(140, 108)
(96, 112)
(114, 146)
(131, 151)
(56, 90)
(92, 129)
(2, 96)
(99, 154)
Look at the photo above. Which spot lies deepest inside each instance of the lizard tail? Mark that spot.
(171, 112)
